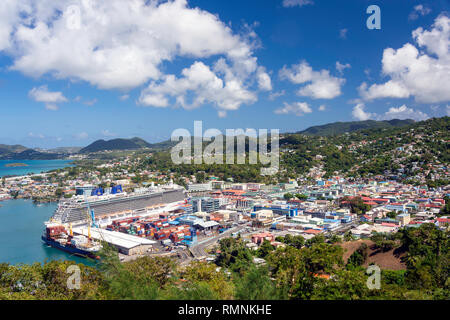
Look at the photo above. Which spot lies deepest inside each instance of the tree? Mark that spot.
(59, 192)
(206, 275)
(391, 214)
(344, 284)
(255, 284)
(233, 254)
(445, 210)
(359, 257)
(288, 196)
(301, 196)
(348, 236)
(335, 239)
(265, 248)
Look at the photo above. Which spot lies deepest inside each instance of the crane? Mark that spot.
(90, 216)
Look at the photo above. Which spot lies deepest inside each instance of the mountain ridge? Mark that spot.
(336, 128)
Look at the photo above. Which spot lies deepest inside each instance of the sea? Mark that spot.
(33, 166)
(22, 221)
(21, 227)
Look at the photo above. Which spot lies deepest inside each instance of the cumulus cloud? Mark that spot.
(343, 33)
(423, 74)
(322, 107)
(321, 84)
(296, 3)
(340, 67)
(264, 81)
(360, 114)
(51, 99)
(297, 108)
(276, 94)
(419, 10)
(120, 44)
(228, 94)
(403, 112)
(124, 97)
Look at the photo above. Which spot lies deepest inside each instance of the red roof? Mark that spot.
(312, 231)
(385, 224)
(380, 200)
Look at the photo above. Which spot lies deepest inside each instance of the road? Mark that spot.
(198, 250)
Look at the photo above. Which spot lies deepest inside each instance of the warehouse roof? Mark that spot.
(115, 238)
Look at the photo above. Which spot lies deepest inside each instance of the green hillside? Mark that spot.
(337, 128)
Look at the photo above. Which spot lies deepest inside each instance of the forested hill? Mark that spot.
(418, 151)
(126, 144)
(337, 128)
(115, 144)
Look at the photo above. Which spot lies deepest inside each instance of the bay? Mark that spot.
(21, 227)
(32, 166)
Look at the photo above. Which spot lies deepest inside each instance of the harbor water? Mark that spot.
(21, 227)
(32, 166)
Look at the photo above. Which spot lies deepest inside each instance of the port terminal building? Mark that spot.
(125, 243)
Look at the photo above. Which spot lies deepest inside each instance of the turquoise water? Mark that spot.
(34, 166)
(21, 227)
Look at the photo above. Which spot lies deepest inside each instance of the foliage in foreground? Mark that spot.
(300, 270)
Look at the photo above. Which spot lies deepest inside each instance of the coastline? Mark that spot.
(70, 163)
(44, 167)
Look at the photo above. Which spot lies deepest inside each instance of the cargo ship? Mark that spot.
(57, 237)
(100, 208)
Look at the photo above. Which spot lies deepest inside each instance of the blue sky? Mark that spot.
(232, 64)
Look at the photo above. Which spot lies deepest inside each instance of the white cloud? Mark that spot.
(51, 99)
(124, 97)
(343, 33)
(90, 102)
(297, 108)
(222, 114)
(340, 67)
(391, 89)
(107, 133)
(419, 10)
(360, 114)
(423, 74)
(402, 113)
(322, 107)
(296, 3)
(434, 108)
(264, 81)
(226, 94)
(36, 135)
(321, 84)
(81, 136)
(122, 44)
(276, 94)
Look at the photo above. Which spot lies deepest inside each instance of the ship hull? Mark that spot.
(69, 249)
